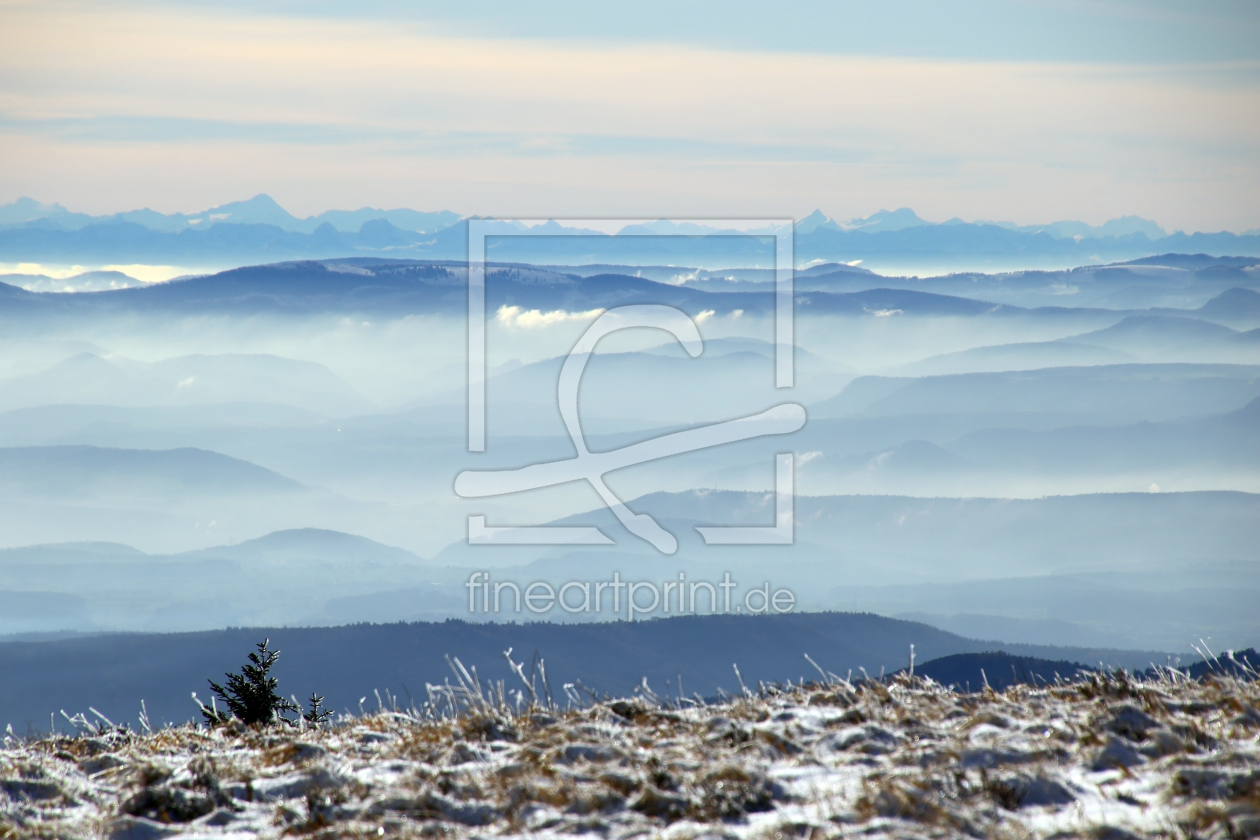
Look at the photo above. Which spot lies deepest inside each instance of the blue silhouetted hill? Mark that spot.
(1233, 305)
(396, 288)
(997, 669)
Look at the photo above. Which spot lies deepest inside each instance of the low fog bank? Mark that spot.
(1110, 570)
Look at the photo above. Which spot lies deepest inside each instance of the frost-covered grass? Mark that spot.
(1106, 757)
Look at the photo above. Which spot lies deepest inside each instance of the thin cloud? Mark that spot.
(514, 317)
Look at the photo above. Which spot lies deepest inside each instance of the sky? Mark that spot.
(1013, 111)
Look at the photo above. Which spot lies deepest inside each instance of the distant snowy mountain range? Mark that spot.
(264, 210)
(888, 220)
(260, 230)
(259, 210)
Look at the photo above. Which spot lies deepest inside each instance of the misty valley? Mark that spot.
(1058, 457)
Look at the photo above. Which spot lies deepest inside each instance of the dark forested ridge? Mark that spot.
(113, 672)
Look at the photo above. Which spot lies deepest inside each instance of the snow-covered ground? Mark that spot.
(1109, 757)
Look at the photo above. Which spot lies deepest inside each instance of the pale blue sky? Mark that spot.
(1021, 111)
(1154, 31)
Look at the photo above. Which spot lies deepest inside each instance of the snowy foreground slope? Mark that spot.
(1107, 757)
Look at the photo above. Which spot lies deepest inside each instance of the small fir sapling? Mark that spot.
(316, 714)
(251, 695)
